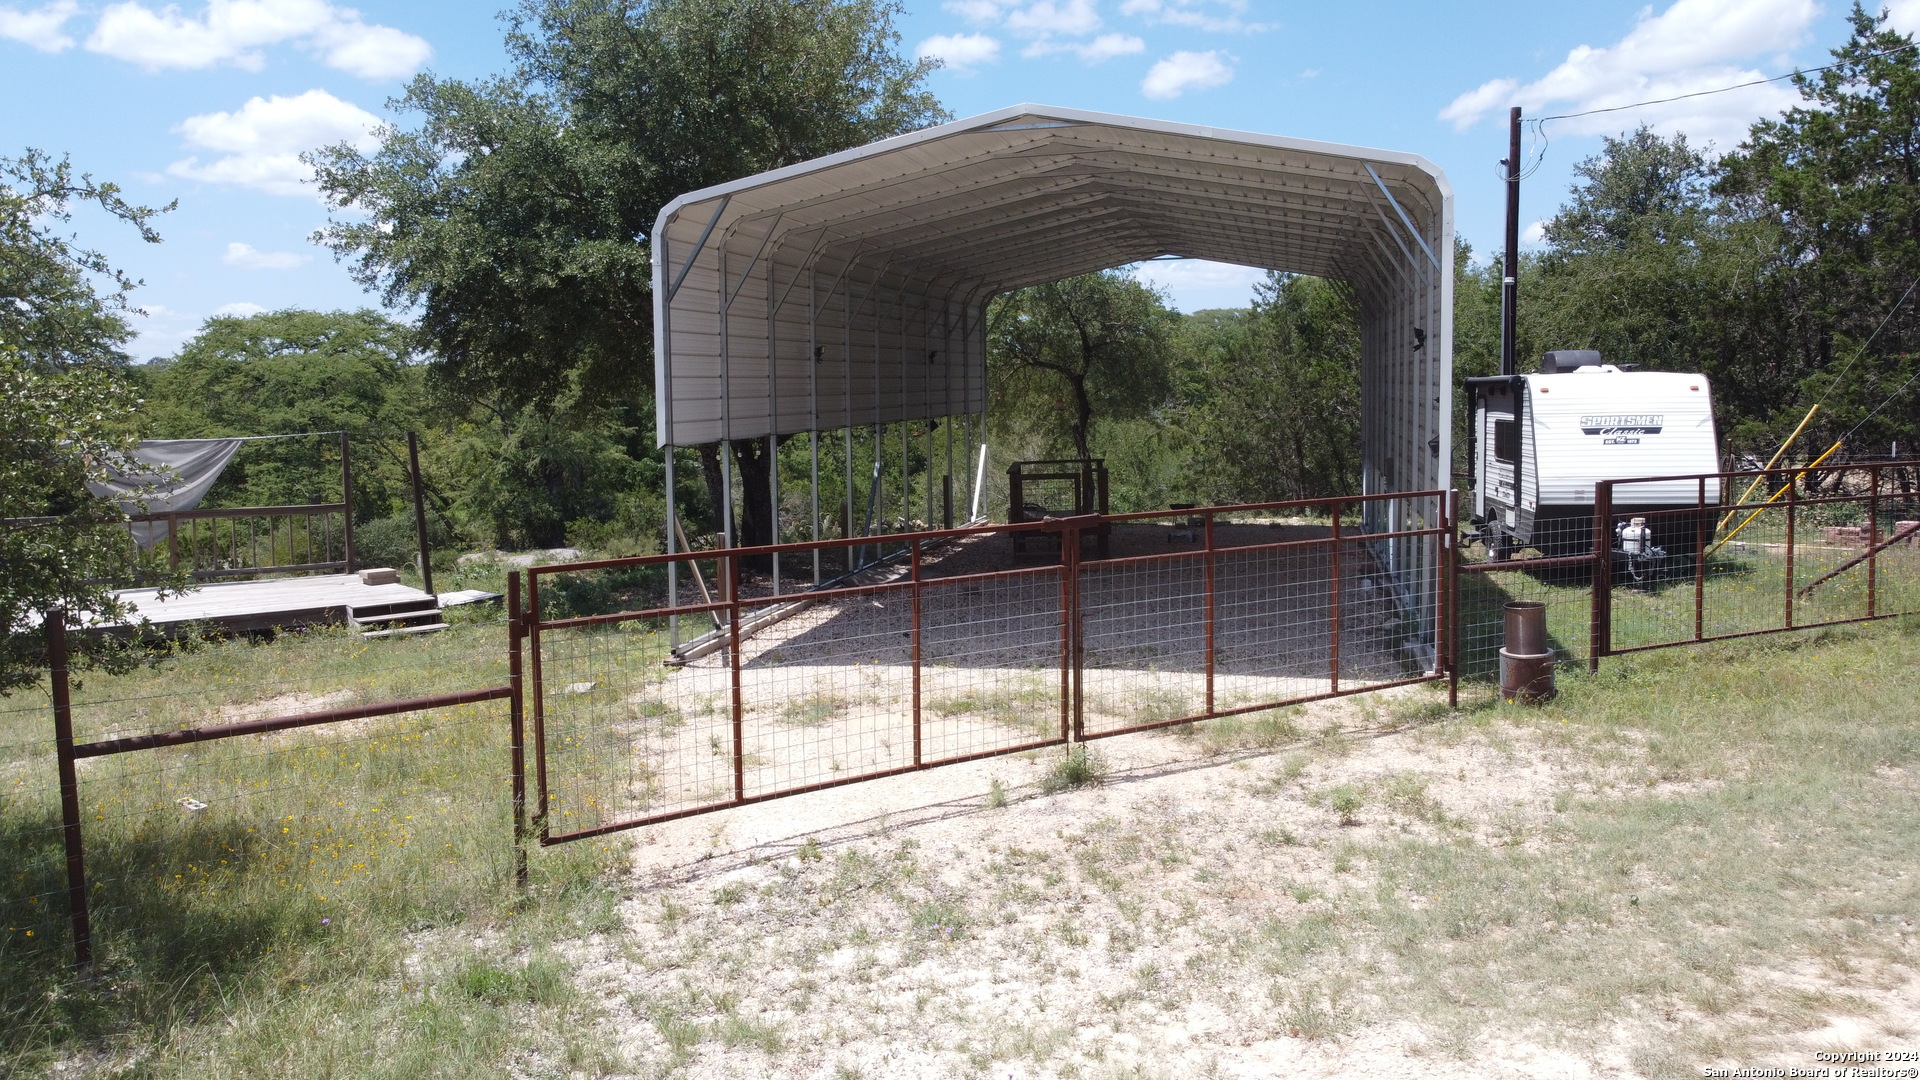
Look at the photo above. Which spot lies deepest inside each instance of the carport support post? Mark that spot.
(70, 786)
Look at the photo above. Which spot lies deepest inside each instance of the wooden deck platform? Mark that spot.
(241, 606)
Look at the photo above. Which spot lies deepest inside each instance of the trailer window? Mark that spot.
(1506, 440)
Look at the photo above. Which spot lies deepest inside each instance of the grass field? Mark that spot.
(1703, 856)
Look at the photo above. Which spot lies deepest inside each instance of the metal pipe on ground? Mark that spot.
(1526, 660)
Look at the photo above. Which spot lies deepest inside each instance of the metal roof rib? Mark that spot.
(871, 246)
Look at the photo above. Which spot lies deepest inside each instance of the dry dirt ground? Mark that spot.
(1183, 917)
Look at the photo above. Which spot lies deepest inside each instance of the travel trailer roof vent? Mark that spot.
(1564, 360)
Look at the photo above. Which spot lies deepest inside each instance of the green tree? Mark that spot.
(1279, 417)
(50, 308)
(291, 371)
(516, 214)
(1648, 265)
(1840, 175)
(1061, 354)
(66, 413)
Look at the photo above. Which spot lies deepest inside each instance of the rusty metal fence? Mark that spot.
(256, 789)
(970, 643)
(1721, 555)
(323, 769)
(1784, 549)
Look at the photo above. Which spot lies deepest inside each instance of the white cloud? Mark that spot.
(263, 140)
(246, 255)
(1185, 71)
(43, 27)
(1693, 45)
(1104, 47)
(1196, 285)
(1050, 27)
(1535, 234)
(962, 53)
(234, 32)
(1044, 17)
(1108, 46)
(1215, 16)
(1902, 15)
(978, 11)
(239, 309)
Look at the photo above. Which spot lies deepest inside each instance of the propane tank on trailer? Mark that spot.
(1636, 538)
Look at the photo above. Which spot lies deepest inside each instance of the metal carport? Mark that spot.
(852, 289)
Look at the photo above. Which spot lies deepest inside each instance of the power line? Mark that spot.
(1724, 89)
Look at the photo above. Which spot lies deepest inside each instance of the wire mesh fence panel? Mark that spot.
(970, 642)
(1483, 589)
(1144, 655)
(1800, 548)
(237, 842)
(33, 891)
(208, 834)
(993, 663)
(1387, 613)
(624, 735)
(828, 694)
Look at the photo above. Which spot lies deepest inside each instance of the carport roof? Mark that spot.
(923, 227)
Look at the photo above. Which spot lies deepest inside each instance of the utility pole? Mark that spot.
(1509, 279)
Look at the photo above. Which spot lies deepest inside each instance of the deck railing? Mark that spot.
(241, 541)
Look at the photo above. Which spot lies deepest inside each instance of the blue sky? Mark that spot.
(210, 103)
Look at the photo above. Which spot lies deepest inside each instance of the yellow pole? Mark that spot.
(1747, 494)
(1796, 479)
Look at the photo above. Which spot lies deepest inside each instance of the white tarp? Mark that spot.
(162, 475)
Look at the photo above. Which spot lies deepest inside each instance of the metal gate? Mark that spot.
(937, 647)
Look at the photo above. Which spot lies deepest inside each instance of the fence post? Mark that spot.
(1066, 632)
(1793, 498)
(1070, 556)
(1450, 622)
(1700, 561)
(915, 598)
(517, 728)
(69, 788)
(1210, 605)
(1600, 625)
(532, 626)
(1333, 629)
(733, 662)
(1873, 537)
(346, 499)
(420, 513)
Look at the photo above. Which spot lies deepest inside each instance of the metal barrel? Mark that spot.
(1526, 662)
(1526, 628)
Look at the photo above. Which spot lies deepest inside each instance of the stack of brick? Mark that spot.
(1856, 535)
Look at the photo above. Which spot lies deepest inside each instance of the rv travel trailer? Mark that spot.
(1541, 441)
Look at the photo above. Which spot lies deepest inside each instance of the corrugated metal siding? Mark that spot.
(879, 262)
